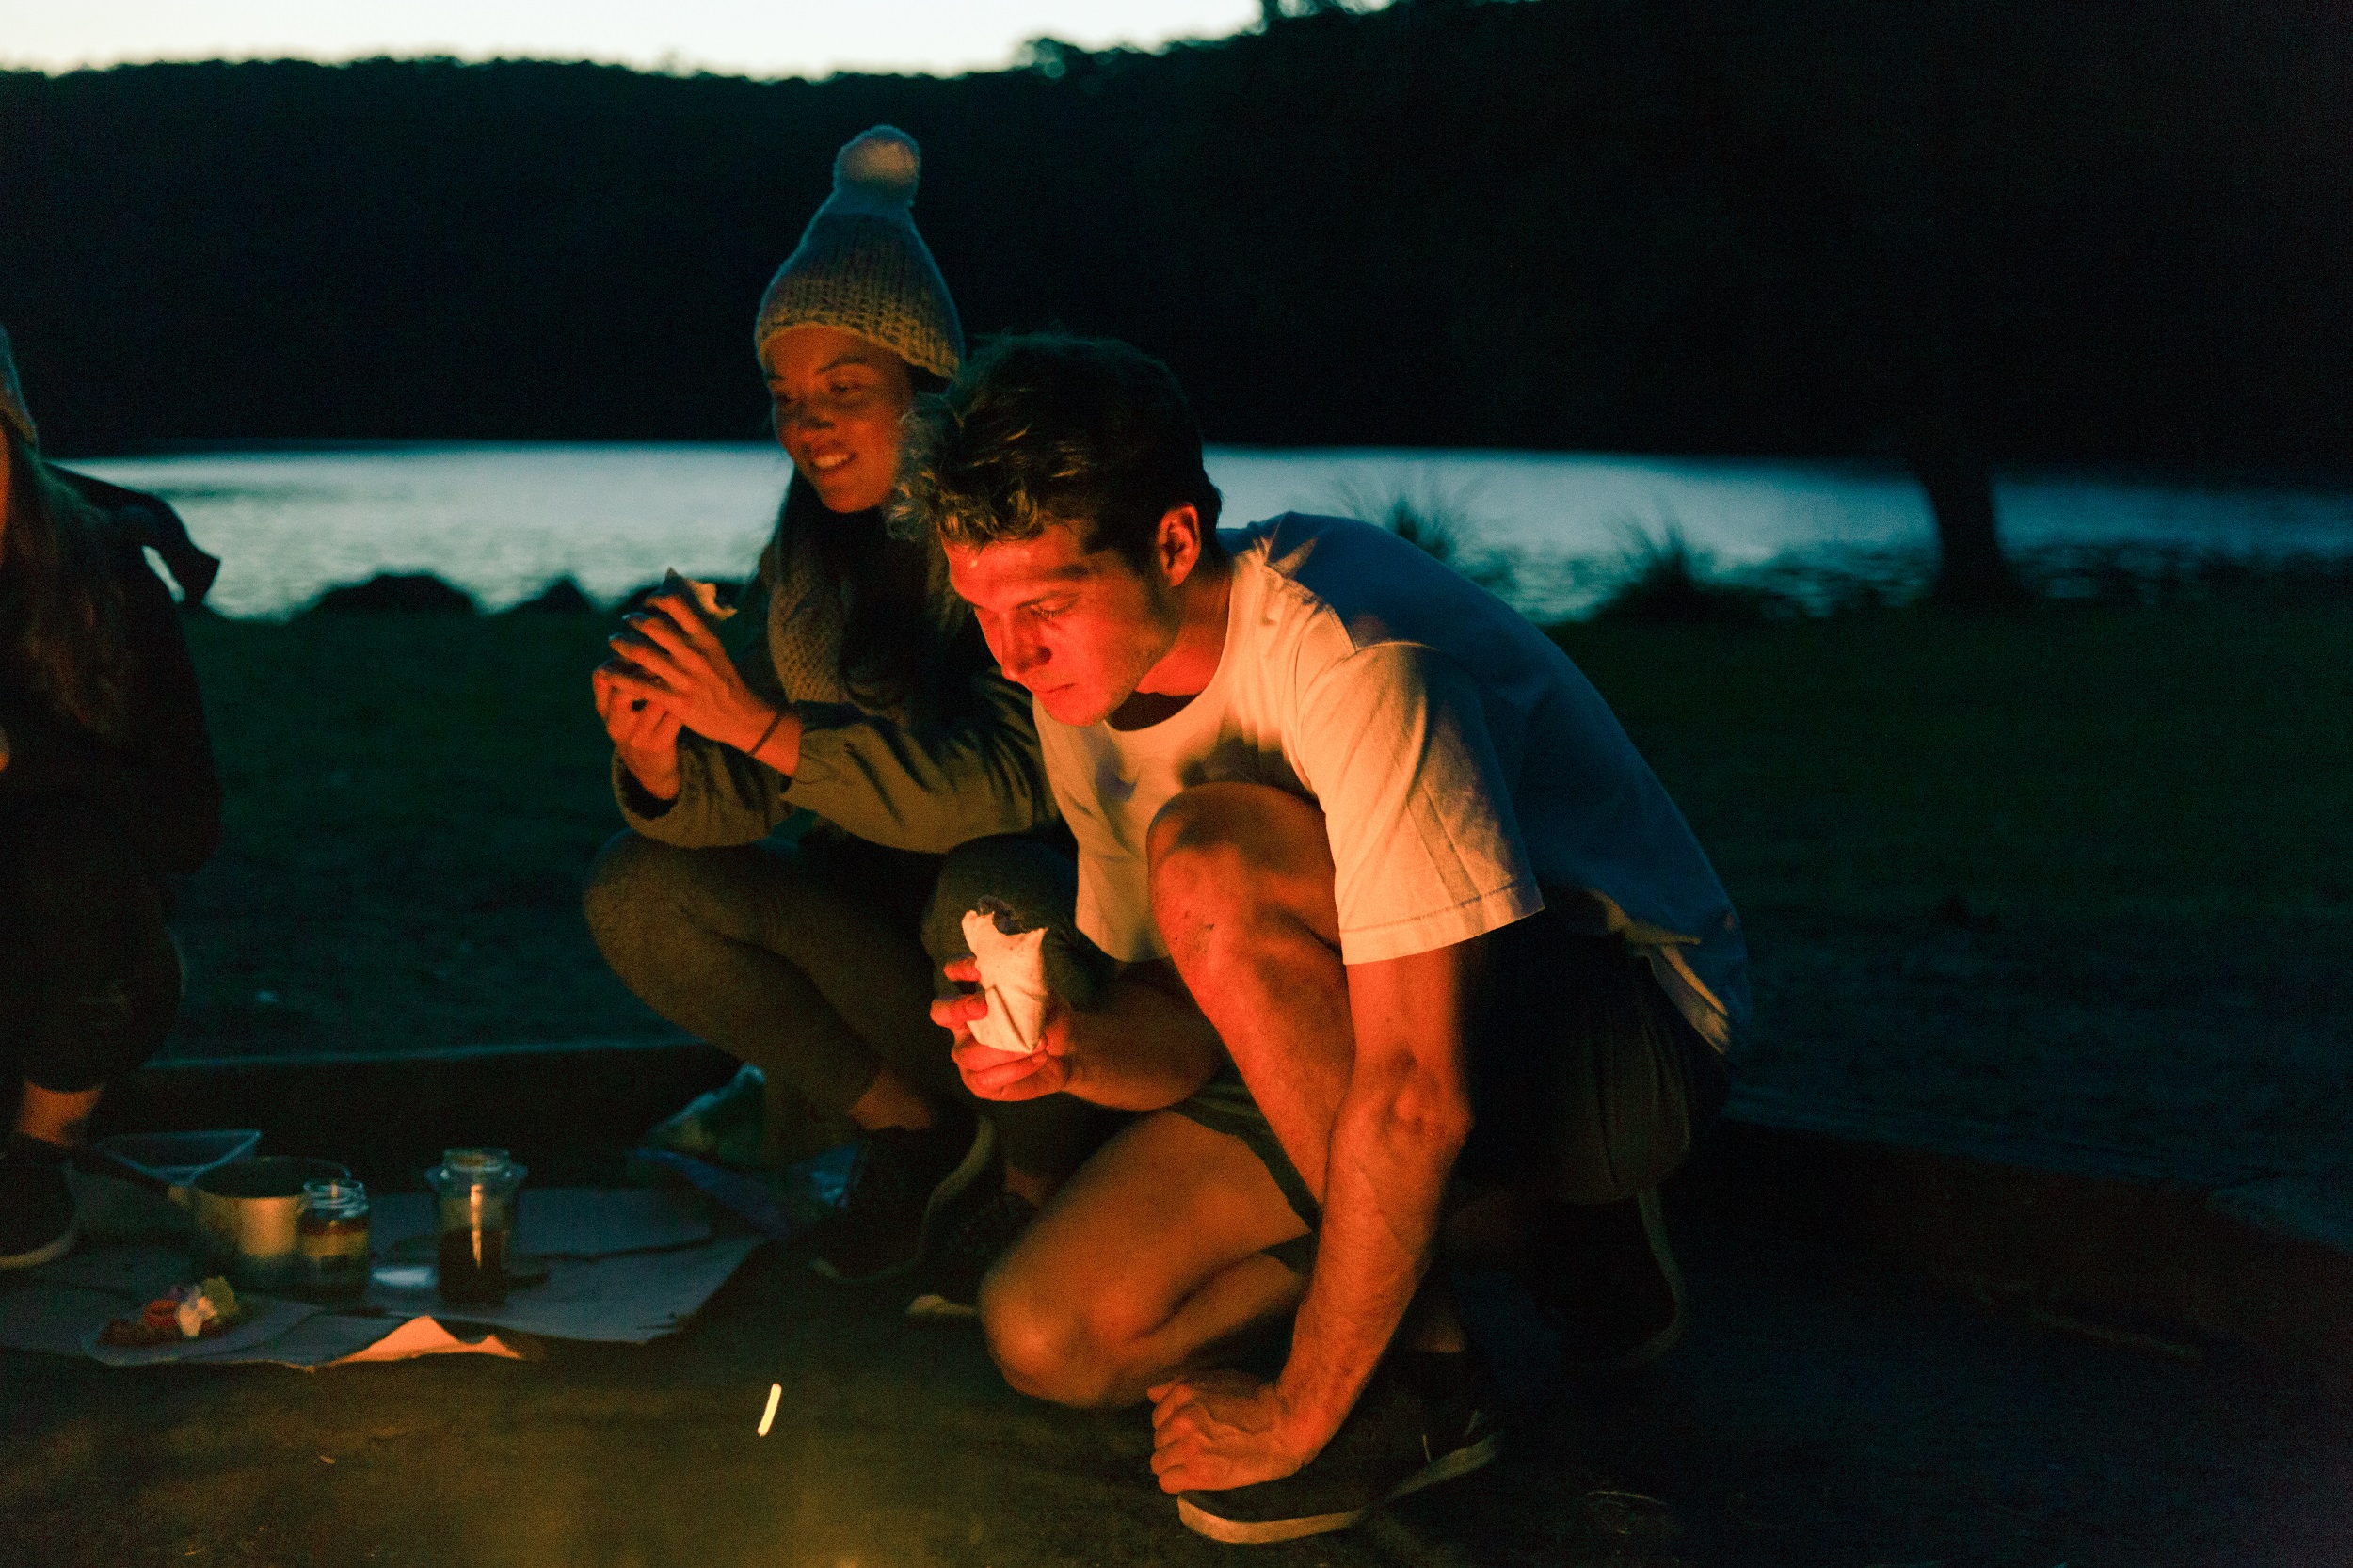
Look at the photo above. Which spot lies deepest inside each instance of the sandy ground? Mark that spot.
(1816, 1415)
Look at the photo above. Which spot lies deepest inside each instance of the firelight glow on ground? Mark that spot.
(938, 37)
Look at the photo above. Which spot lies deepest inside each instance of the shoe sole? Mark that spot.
(976, 1160)
(932, 1308)
(1260, 1533)
(49, 1252)
(1641, 1356)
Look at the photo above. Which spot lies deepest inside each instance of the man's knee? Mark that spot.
(1039, 1342)
(1054, 1341)
(1220, 846)
(1225, 856)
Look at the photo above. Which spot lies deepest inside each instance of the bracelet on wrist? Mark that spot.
(766, 735)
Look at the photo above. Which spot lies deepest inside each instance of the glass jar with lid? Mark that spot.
(332, 1234)
(475, 1190)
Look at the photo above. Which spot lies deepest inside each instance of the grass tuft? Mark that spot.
(1435, 522)
(1665, 580)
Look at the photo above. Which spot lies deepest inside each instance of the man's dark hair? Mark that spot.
(1046, 428)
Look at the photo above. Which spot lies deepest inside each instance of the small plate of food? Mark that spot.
(194, 1321)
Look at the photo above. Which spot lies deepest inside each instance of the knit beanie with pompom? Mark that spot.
(12, 409)
(862, 267)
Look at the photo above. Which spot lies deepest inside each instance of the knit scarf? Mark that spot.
(805, 618)
(810, 608)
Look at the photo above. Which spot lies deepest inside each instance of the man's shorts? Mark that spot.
(1587, 1085)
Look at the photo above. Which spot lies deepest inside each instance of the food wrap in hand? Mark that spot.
(1012, 977)
(703, 596)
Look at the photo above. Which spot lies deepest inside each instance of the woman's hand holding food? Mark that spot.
(669, 658)
(996, 1075)
(644, 731)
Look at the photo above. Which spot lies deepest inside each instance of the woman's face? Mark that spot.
(840, 403)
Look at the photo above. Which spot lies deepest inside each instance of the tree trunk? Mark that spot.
(1972, 573)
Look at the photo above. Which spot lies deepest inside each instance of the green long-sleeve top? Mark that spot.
(929, 778)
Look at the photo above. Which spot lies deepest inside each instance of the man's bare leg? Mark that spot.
(1150, 1261)
(1242, 892)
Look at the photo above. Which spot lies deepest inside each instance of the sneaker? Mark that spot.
(724, 1127)
(971, 1251)
(1422, 1418)
(903, 1181)
(36, 1205)
(1603, 1275)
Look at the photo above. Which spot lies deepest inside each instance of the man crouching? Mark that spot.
(1408, 935)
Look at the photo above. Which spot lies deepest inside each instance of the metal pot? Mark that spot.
(243, 1212)
(245, 1215)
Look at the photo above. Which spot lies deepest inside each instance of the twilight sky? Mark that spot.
(778, 37)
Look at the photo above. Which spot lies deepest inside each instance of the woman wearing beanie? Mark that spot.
(106, 789)
(861, 694)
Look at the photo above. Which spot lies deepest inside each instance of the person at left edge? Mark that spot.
(107, 790)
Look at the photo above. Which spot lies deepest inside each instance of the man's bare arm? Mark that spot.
(1401, 1124)
(1403, 1120)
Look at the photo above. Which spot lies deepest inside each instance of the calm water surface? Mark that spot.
(502, 521)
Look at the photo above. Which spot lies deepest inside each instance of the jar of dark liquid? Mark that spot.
(331, 1241)
(475, 1188)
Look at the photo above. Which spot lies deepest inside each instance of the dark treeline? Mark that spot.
(2085, 230)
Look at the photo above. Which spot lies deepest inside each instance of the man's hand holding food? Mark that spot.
(1000, 1074)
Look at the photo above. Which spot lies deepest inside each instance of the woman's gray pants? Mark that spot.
(818, 961)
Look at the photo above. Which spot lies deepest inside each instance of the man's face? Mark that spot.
(1081, 629)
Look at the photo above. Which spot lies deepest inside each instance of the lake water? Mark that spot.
(502, 521)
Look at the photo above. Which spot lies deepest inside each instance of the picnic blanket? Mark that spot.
(625, 1265)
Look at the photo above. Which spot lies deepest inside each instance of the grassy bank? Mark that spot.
(2067, 765)
(2082, 871)
(411, 804)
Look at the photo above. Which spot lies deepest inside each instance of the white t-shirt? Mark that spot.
(1467, 771)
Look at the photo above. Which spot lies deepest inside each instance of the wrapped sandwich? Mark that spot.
(1013, 978)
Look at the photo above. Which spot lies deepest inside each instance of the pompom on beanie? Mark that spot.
(12, 408)
(862, 267)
